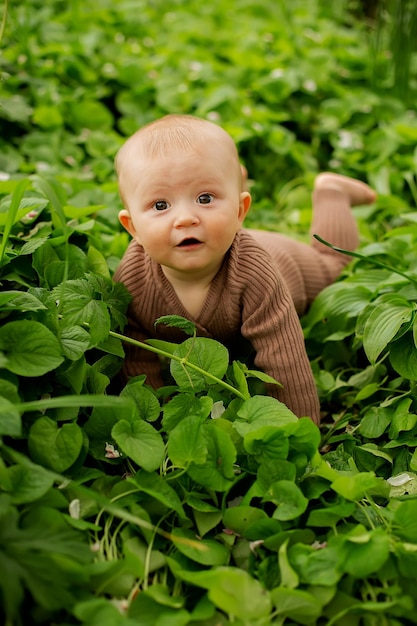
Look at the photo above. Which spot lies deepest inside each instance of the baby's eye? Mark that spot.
(205, 198)
(160, 205)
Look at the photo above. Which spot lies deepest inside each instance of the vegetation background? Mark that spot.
(129, 509)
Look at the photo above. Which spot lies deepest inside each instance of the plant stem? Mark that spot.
(182, 360)
(357, 255)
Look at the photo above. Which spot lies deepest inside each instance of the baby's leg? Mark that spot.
(333, 221)
(307, 269)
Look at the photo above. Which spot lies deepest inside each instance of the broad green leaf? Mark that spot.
(31, 349)
(367, 556)
(217, 472)
(288, 498)
(387, 316)
(28, 484)
(239, 518)
(100, 424)
(20, 301)
(177, 321)
(140, 442)
(146, 402)
(75, 340)
(268, 442)
(405, 520)
(203, 551)
(232, 590)
(99, 612)
(403, 357)
(272, 470)
(304, 438)
(294, 604)
(317, 566)
(155, 486)
(237, 593)
(10, 421)
(186, 443)
(356, 486)
(289, 578)
(330, 515)
(208, 355)
(96, 262)
(375, 421)
(181, 406)
(54, 447)
(261, 411)
(153, 607)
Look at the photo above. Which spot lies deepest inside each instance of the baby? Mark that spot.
(180, 182)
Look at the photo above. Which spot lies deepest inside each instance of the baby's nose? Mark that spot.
(185, 216)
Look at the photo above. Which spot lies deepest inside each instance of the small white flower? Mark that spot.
(399, 480)
(253, 545)
(111, 452)
(217, 409)
(75, 508)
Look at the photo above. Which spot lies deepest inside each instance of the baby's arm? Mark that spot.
(140, 361)
(272, 326)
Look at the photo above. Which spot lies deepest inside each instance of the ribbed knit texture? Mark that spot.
(256, 295)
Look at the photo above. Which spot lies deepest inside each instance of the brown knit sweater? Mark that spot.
(256, 294)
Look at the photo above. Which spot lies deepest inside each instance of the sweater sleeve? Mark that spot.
(271, 324)
(133, 273)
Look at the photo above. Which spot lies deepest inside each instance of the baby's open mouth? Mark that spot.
(191, 241)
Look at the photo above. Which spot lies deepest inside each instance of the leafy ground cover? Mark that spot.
(204, 502)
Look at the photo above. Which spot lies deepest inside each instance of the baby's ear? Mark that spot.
(244, 205)
(126, 222)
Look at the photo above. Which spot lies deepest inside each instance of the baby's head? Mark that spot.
(172, 135)
(180, 181)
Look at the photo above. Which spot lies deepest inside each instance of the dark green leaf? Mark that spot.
(31, 349)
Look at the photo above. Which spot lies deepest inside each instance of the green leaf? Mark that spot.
(403, 357)
(267, 442)
(181, 406)
(387, 316)
(322, 566)
(54, 447)
(288, 498)
(405, 520)
(204, 551)
(232, 590)
(356, 486)
(155, 486)
(74, 341)
(239, 518)
(366, 554)
(330, 515)
(10, 422)
(140, 442)
(296, 605)
(177, 321)
(261, 411)
(217, 472)
(18, 301)
(31, 349)
(146, 402)
(186, 443)
(207, 354)
(235, 592)
(374, 422)
(27, 484)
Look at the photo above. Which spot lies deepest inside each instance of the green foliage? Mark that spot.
(202, 503)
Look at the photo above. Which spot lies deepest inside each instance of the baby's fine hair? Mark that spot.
(171, 132)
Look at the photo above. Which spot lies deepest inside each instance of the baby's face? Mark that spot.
(185, 208)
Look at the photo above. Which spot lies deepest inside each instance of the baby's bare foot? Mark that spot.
(357, 191)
